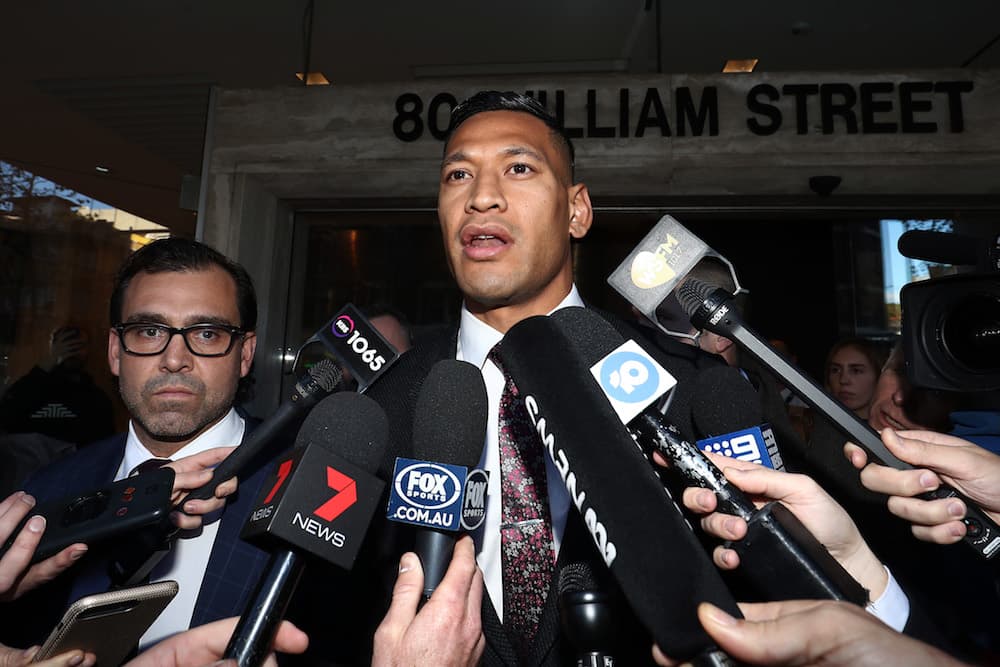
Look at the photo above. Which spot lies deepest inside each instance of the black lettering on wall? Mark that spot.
(801, 93)
(909, 106)
(954, 90)
(593, 129)
(871, 106)
(769, 111)
(708, 111)
(571, 132)
(408, 126)
(623, 115)
(652, 115)
(433, 115)
(830, 106)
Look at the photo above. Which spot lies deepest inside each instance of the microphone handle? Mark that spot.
(778, 555)
(251, 446)
(982, 533)
(787, 562)
(255, 631)
(434, 548)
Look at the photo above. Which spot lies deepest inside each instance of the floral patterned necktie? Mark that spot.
(528, 560)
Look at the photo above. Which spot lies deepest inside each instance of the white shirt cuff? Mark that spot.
(892, 607)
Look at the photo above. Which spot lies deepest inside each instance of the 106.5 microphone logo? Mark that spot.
(427, 494)
(344, 327)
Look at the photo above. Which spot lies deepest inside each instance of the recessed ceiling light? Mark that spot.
(101, 169)
(314, 79)
(747, 65)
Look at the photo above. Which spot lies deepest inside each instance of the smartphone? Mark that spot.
(109, 625)
(123, 507)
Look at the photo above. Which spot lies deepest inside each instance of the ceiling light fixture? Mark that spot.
(313, 79)
(307, 76)
(101, 169)
(734, 66)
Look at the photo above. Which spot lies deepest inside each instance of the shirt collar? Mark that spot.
(228, 431)
(476, 338)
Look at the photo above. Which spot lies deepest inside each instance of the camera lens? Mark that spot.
(970, 332)
(85, 508)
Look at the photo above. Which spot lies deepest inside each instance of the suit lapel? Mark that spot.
(234, 566)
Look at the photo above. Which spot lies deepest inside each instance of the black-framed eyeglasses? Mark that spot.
(145, 339)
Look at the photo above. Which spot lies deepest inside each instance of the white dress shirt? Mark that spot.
(475, 340)
(188, 559)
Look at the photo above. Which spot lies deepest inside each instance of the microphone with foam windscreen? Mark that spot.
(317, 382)
(712, 309)
(727, 410)
(449, 429)
(316, 505)
(641, 536)
(780, 557)
(951, 248)
(586, 616)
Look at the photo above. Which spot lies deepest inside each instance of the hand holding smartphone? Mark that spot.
(109, 625)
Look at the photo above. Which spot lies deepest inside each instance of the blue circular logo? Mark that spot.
(629, 377)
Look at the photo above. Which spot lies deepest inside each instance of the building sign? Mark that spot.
(796, 107)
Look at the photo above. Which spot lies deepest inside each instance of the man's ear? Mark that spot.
(714, 343)
(114, 352)
(247, 350)
(581, 211)
(722, 344)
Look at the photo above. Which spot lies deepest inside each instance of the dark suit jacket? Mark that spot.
(397, 393)
(234, 566)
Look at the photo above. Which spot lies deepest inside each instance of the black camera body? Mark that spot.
(951, 325)
(951, 332)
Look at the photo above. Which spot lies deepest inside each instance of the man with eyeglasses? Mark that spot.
(181, 343)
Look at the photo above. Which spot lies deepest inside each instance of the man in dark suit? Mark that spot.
(181, 341)
(509, 209)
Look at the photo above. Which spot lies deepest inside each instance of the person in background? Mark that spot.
(58, 397)
(851, 372)
(391, 323)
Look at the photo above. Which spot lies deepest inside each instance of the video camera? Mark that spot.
(951, 325)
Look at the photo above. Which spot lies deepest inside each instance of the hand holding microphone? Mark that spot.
(447, 630)
(942, 459)
(817, 511)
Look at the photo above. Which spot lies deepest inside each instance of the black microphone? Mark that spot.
(780, 557)
(727, 409)
(711, 308)
(641, 536)
(317, 382)
(950, 248)
(586, 615)
(315, 506)
(449, 426)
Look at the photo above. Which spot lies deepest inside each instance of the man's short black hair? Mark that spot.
(495, 100)
(179, 255)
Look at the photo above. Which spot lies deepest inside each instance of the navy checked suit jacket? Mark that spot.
(234, 566)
